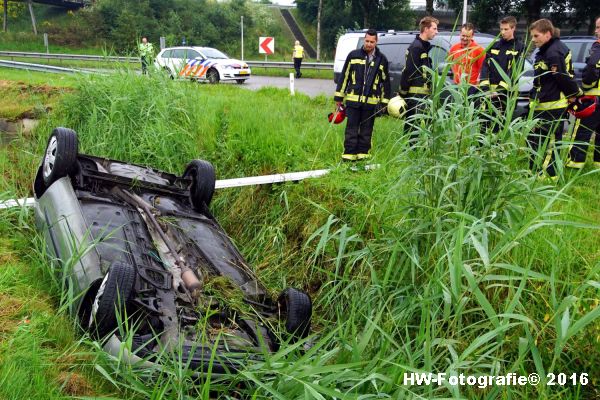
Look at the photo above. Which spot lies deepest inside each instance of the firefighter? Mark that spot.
(505, 55)
(553, 87)
(584, 128)
(415, 79)
(298, 55)
(365, 85)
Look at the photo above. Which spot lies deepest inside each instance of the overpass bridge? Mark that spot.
(70, 4)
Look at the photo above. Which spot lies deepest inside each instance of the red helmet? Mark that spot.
(338, 116)
(583, 107)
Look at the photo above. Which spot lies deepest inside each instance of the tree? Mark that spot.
(584, 11)
(12, 10)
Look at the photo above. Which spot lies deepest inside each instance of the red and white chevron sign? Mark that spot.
(266, 45)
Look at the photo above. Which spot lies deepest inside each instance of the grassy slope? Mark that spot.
(396, 236)
(23, 95)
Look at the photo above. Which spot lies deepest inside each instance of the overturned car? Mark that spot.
(139, 246)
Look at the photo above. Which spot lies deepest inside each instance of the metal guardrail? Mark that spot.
(78, 57)
(290, 65)
(40, 67)
(83, 57)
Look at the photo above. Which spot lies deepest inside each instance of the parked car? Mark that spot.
(394, 46)
(351, 40)
(136, 244)
(580, 47)
(202, 64)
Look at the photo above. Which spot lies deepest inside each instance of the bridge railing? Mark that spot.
(82, 57)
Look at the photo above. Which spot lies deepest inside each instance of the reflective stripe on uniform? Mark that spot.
(418, 90)
(575, 164)
(551, 105)
(362, 156)
(350, 157)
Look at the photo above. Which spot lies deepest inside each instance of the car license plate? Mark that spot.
(243, 72)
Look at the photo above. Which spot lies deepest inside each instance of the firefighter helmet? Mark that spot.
(338, 116)
(396, 107)
(583, 107)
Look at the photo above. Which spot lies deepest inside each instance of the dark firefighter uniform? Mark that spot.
(584, 128)
(415, 80)
(364, 84)
(505, 56)
(553, 85)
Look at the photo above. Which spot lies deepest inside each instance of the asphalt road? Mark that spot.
(311, 87)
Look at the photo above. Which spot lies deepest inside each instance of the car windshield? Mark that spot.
(214, 53)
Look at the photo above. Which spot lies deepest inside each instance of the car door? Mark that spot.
(194, 65)
(395, 54)
(578, 54)
(178, 60)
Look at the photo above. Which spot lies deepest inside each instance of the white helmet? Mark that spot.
(396, 107)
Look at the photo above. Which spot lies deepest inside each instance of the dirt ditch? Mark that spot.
(10, 130)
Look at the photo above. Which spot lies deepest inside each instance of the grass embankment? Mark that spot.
(28, 96)
(447, 258)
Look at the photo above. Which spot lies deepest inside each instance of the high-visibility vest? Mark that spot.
(298, 51)
(146, 50)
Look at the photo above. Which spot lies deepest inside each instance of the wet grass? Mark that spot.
(447, 258)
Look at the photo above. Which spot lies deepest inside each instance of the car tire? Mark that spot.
(240, 81)
(212, 76)
(296, 306)
(60, 158)
(169, 73)
(202, 189)
(112, 297)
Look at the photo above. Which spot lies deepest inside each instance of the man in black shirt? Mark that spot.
(504, 57)
(585, 127)
(415, 82)
(554, 86)
(364, 84)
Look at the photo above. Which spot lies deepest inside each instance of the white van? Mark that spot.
(346, 43)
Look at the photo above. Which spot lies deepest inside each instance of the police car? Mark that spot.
(201, 63)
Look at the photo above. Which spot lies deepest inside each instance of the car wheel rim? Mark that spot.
(50, 158)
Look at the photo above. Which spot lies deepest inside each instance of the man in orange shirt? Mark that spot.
(467, 56)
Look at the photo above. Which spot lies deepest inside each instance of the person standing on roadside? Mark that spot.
(146, 51)
(504, 57)
(415, 79)
(553, 87)
(585, 127)
(364, 85)
(467, 58)
(298, 55)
